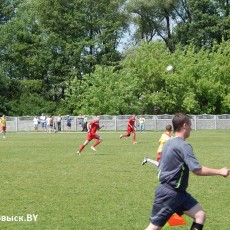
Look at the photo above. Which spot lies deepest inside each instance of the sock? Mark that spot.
(158, 156)
(196, 226)
(82, 147)
(134, 138)
(97, 142)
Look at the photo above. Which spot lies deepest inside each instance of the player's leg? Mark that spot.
(98, 141)
(198, 215)
(158, 156)
(134, 138)
(125, 135)
(4, 132)
(83, 146)
(164, 206)
(153, 227)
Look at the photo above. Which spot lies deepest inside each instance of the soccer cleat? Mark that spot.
(93, 148)
(120, 136)
(134, 142)
(144, 161)
(78, 153)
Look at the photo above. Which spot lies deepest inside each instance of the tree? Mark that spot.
(56, 41)
(106, 91)
(203, 23)
(154, 19)
(8, 9)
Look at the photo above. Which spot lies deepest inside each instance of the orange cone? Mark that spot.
(176, 220)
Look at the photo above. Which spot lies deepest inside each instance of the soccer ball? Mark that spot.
(169, 68)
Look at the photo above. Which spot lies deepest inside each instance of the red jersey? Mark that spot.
(132, 121)
(131, 125)
(94, 126)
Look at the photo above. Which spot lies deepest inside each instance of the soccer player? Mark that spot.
(176, 162)
(92, 127)
(3, 126)
(131, 128)
(164, 137)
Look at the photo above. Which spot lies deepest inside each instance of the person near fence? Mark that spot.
(93, 126)
(164, 137)
(36, 122)
(51, 123)
(177, 161)
(59, 118)
(81, 121)
(131, 128)
(142, 123)
(43, 121)
(3, 125)
(85, 123)
(48, 124)
(68, 122)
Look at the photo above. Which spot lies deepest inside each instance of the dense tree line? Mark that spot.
(62, 56)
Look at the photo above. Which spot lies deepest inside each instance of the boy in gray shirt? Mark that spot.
(176, 162)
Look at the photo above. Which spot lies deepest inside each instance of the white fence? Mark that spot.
(116, 123)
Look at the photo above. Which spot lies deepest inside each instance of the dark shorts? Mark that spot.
(168, 201)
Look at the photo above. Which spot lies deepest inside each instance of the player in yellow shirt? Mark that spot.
(164, 137)
(3, 126)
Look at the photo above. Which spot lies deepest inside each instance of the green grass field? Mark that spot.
(110, 189)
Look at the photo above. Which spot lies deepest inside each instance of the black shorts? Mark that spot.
(168, 201)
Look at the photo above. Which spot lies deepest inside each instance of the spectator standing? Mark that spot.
(81, 121)
(51, 122)
(43, 121)
(85, 124)
(59, 118)
(142, 123)
(3, 126)
(68, 122)
(48, 124)
(36, 122)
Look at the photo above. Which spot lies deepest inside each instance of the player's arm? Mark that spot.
(129, 124)
(101, 127)
(205, 171)
(88, 127)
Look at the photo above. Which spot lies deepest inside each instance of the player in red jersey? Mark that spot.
(131, 128)
(92, 126)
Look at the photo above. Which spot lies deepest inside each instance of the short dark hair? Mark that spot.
(168, 128)
(179, 120)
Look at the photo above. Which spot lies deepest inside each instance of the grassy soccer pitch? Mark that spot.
(41, 174)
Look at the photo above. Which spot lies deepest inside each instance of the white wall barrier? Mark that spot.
(118, 123)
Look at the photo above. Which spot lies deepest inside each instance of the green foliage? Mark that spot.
(199, 83)
(203, 24)
(105, 91)
(54, 42)
(154, 18)
(63, 56)
(31, 104)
